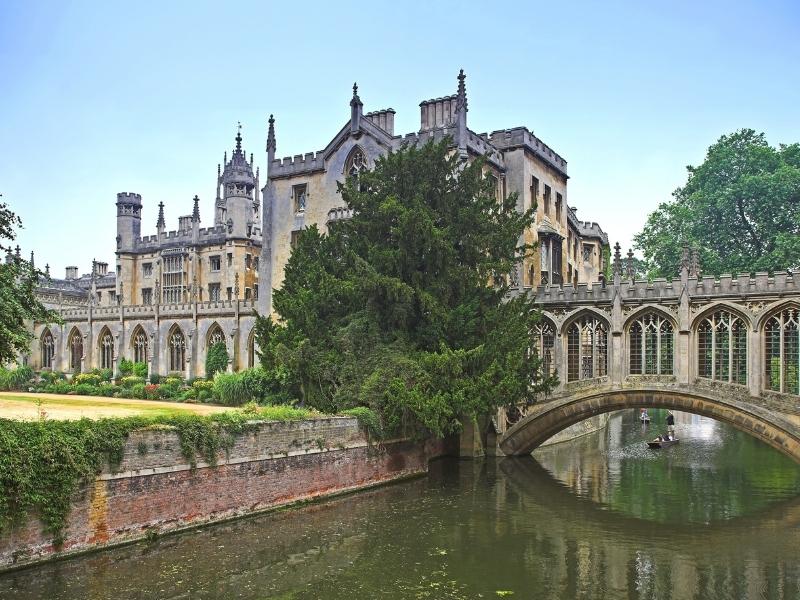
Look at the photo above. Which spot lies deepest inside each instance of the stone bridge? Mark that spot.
(727, 348)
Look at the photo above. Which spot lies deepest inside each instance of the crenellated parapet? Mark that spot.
(521, 137)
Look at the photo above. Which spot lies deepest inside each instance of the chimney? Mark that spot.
(72, 273)
(383, 119)
(102, 269)
(437, 113)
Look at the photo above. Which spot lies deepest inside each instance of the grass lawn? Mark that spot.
(30, 406)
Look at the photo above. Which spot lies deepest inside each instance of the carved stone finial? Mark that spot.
(630, 272)
(617, 264)
(236, 285)
(461, 99)
(32, 264)
(121, 292)
(47, 270)
(355, 89)
(160, 224)
(694, 266)
(271, 145)
(196, 209)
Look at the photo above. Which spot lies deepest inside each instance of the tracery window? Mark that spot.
(174, 279)
(106, 350)
(140, 347)
(722, 347)
(176, 346)
(356, 162)
(251, 350)
(48, 349)
(587, 348)
(215, 336)
(75, 350)
(651, 344)
(782, 351)
(544, 342)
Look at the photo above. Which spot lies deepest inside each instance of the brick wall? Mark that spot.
(277, 464)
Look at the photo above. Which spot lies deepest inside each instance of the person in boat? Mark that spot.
(658, 439)
(670, 422)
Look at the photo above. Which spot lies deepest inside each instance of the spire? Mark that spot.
(160, 224)
(219, 180)
(271, 146)
(47, 270)
(617, 265)
(461, 116)
(630, 271)
(356, 109)
(196, 210)
(238, 139)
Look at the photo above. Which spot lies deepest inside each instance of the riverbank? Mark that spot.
(154, 489)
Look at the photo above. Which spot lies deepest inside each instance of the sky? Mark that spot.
(105, 97)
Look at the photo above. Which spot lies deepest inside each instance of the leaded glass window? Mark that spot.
(177, 351)
(48, 349)
(587, 348)
(544, 343)
(106, 350)
(722, 347)
(782, 352)
(140, 346)
(651, 343)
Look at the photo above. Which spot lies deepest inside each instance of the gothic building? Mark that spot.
(175, 293)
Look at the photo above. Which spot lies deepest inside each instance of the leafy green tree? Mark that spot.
(18, 302)
(741, 208)
(216, 359)
(404, 308)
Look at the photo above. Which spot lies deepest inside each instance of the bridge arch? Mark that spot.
(547, 419)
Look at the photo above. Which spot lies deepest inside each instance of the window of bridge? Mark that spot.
(544, 339)
(651, 344)
(722, 347)
(782, 351)
(587, 348)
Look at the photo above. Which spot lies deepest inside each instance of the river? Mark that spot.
(715, 516)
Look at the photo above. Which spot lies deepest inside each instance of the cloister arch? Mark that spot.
(75, 345)
(721, 335)
(586, 336)
(215, 335)
(780, 328)
(140, 345)
(176, 349)
(105, 348)
(547, 419)
(650, 342)
(251, 349)
(47, 347)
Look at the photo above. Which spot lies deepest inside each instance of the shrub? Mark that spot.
(51, 376)
(216, 359)
(202, 384)
(131, 380)
(138, 391)
(140, 369)
(125, 367)
(231, 388)
(86, 379)
(205, 395)
(172, 380)
(104, 374)
(151, 391)
(86, 389)
(367, 418)
(155, 378)
(58, 387)
(15, 379)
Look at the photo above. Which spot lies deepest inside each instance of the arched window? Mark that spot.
(782, 351)
(176, 345)
(651, 343)
(722, 347)
(251, 350)
(139, 346)
(106, 349)
(75, 350)
(48, 349)
(544, 341)
(215, 335)
(355, 163)
(587, 348)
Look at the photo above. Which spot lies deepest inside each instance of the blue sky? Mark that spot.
(98, 98)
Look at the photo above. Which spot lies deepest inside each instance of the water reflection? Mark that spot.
(578, 523)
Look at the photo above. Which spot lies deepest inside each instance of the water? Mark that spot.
(603, 517)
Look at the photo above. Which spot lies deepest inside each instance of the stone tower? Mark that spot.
(237, 195)
(129, 221)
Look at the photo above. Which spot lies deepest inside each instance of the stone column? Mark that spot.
(755, 362)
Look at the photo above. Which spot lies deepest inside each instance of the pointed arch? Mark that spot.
(543, 344)
(587, 345)
(651, 343)
(75, 345)
(781, 333)
(251, 349)
(356, 162)
(105, 346)
(176, 349)
(140, 345)
(215, 335)
(47, 346)
(721, 334)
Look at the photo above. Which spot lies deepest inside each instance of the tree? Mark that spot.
(216, 359)
(741, 208)
(18, 302)
(393, 310)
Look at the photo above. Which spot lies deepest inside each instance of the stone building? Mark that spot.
(175, 293)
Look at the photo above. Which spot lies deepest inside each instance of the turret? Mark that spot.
(235, 208)
(129, 221)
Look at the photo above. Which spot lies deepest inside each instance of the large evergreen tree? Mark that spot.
(741, 208)
(18, 303)
(404, 308)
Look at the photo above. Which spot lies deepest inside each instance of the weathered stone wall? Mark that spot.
(277, 464)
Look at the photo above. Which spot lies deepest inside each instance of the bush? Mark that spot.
(155, 378)
(205, 395)
(86, 379)
(151, 391)
(231, 388)
(104, 374)
(86, 389)
(216, 359)
(202, 384)
(140, 369)
(58, 387)
(125, 367)
(172, 380)
(368, 419)
(15, 379)
(51, 376)
(137, 391)
(130, 381)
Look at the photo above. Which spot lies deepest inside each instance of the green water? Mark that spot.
(603, 517)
